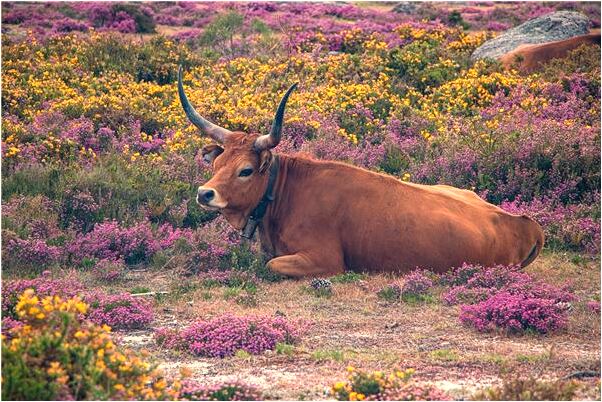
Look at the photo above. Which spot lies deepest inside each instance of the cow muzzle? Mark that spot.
(209, 198)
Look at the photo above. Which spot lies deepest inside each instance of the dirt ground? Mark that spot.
(355, 327)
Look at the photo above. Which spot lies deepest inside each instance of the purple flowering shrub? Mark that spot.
(79, 210)
(460, 275)
(215, 253)
(211, 246)
(135, 244)
(119, 311)
(30, 232)
(228, 391)
(30, 252)
(576, 227)
(109, 270)
(30, 217)
(9, 323)
(506, 298)
(593, 306)
(109, 240)
(69, 25)
(122, 17)
(415, 287)
(225, 335)
(515, 313)
(416, 284)
(473, 283)
(304, 21)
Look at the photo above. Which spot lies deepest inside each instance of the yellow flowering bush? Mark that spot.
(112, 82)
(473, 89)
(54, 355)
(379, 386)
(468, 42)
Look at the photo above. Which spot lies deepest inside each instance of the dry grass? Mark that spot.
(354, 327)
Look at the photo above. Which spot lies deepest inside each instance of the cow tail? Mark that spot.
(539, 241)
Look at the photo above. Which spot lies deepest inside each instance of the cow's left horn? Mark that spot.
(216, 132)
(273, 138)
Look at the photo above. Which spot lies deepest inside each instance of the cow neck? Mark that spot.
(258, 213)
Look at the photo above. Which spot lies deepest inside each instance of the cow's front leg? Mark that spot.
(299, 265)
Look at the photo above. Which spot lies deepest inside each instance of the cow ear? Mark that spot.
(210, 152)
(265, 160)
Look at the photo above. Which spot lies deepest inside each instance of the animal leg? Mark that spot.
(299, 265)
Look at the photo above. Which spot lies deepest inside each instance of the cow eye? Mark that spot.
(245, 172)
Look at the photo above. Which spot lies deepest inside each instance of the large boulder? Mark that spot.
(547, 28)
(405, 7)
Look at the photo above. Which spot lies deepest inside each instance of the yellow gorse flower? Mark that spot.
(52, 320)
(358, 381)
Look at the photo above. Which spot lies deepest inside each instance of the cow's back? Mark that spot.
(529, 58)
(382, 224)
(435, 227)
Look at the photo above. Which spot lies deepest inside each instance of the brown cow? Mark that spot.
(529, 58)
(328, 217)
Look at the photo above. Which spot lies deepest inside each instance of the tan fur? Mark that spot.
(328, 217)
(529, 58)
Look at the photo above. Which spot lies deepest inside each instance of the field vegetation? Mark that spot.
(117, 285)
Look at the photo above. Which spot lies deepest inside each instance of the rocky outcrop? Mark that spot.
(405, 7)
(548, 28)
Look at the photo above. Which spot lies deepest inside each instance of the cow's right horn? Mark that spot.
(216, 132)
(273, 138)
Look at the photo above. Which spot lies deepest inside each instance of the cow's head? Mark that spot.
(240, 163)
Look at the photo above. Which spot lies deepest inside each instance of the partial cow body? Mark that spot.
(530, 58)
(328, 217)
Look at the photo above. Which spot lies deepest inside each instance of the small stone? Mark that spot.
(405, 7)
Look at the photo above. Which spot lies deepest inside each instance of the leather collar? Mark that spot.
(258, 213)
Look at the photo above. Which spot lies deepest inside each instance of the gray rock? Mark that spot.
(405, 7)
(547, 28)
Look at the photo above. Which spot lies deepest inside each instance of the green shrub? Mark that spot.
(348, 277)
(284, 349)
(322, 355)
(155, 60)
(221, 31)
(32, 180)
(585, 59)
(390, 293)
(243, 258)
(455, 18)
(109, 52)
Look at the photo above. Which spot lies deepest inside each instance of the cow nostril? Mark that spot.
(206, 195)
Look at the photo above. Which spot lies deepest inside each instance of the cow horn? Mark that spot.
(216, 132)
(273, 138)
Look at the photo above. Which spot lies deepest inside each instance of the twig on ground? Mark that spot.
(150, 293)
